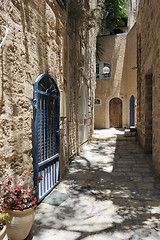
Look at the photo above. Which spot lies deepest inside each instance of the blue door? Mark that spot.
(132, 110)
(46, 134)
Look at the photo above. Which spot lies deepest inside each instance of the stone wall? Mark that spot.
(42, 38)
(132, 7)
(148, 63)
(72, 140)
(34, 45)
(81, 55)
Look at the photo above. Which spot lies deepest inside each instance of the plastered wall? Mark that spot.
(120, 52)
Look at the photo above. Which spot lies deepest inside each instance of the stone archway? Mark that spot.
(115, 112)
(46, 134)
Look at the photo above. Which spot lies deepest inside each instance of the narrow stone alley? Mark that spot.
(110, 192)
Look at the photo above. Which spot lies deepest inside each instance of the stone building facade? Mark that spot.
(148, 61)
(44, 37)
(116, 94)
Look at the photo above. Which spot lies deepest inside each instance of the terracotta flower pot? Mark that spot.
(21, 223)
(3, 235)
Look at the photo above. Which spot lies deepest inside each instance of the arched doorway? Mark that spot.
(132, 111)
(46, 134)
(115, 112)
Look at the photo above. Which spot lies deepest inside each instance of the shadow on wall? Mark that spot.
(35, 32)
(129, 73)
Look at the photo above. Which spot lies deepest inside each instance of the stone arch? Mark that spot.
(124, 110)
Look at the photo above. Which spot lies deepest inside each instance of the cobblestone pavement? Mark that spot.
(112, 194)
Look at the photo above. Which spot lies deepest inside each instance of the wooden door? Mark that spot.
(115, 112)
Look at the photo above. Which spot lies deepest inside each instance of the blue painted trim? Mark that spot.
(132, 111)
(35, 139)
(41, 199)
(58, 131)
(46, 75)
(40, 106)
(47, 94)
(48, 160)
(62, 3)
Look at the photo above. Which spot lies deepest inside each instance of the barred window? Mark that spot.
(97, 101)
(62, 3)
(99, 70)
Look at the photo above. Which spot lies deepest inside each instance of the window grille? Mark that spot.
(62, 3)
(46, 134)
(99, 70)
(97, 101)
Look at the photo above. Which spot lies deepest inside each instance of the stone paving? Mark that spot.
(113, 194)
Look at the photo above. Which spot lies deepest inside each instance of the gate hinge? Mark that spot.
(34, 103)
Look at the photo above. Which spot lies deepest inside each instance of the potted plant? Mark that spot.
(20, 202)
(4, 219)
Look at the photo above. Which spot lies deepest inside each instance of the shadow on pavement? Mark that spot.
(113, 194)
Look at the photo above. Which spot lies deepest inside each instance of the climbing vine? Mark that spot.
(108, 14)
(113, 13)
(80, 14)
(99, 49)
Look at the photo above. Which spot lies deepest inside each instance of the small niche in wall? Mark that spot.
(15, 111)
(97, 101)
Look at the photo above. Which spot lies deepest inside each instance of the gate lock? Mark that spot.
(34, 103)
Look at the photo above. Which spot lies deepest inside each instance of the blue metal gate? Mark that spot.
(46, 134)
(132, 109)
(62, 3)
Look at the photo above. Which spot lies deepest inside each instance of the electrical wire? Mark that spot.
(5, 35)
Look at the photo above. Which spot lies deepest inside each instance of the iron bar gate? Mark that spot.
(46, 134)
(62, 3)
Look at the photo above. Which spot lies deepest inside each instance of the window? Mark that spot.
(99, 70)
(62, 3)
(97, 101)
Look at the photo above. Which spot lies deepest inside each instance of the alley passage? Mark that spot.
(110, 193)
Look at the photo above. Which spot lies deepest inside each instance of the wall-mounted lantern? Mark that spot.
(103, 72)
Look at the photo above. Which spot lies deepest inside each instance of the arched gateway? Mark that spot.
(46, 134)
